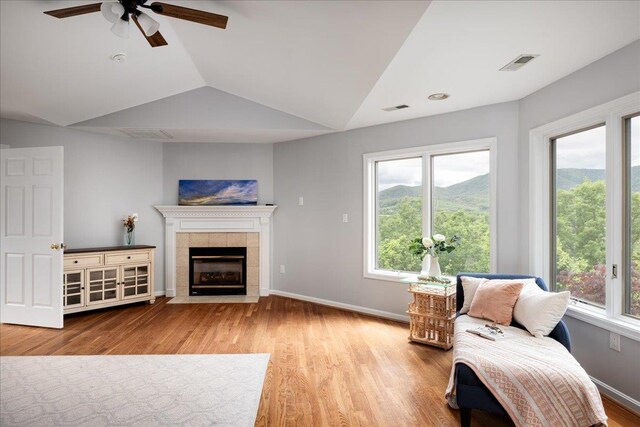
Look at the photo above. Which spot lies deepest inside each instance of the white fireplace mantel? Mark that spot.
(211, 219)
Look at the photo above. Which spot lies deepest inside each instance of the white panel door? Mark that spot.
(31, 221)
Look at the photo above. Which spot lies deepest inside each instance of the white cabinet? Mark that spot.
(135, 281)
(104, 277)
(102, 285)
(73, 288)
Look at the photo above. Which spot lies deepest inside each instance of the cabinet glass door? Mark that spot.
(103, 285)
(72, 289)
(135, 281)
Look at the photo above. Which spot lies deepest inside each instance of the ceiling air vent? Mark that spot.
(146, 133)
(397, 107)
(519, 62)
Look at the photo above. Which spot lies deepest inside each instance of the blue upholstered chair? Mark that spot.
(470, 392)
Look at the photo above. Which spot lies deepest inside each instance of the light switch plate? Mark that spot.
(281, 268)
(300, 201)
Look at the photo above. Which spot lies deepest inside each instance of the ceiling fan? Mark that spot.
(120, 12)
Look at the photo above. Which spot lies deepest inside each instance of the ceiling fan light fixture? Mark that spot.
(149, 25)
(121, 28)
(112, 11)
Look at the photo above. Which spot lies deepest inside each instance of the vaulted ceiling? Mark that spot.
(285, 70)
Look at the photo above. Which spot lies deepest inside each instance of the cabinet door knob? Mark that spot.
(128, 257)
(75, 262)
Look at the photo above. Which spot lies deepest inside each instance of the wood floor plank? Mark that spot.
(328, 366)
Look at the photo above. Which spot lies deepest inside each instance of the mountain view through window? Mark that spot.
(459, 205)
(580, 214)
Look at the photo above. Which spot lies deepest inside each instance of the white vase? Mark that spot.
(425, 266)
(434, 267)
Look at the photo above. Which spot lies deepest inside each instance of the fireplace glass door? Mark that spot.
(217, 271)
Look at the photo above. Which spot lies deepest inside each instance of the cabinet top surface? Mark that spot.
(106, 249)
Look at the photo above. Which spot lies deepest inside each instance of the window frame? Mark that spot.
(612, 114)
(627, 194)
(370, 270)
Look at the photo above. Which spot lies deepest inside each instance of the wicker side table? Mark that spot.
(432, 313)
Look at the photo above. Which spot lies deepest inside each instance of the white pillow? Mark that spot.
(539, 311)
(469, 287)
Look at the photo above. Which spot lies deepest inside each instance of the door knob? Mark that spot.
(55, 246)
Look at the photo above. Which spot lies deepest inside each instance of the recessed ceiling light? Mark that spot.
(438, 96)
(119, 58)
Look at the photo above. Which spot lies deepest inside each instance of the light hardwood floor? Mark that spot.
(328, 366)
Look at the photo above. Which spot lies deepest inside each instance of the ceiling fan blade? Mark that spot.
(199, 16)
(74, 11)
(155, 40)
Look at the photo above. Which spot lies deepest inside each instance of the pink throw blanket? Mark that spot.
(536, 380)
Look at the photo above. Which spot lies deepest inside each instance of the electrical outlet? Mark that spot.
(281, 268)
(614, 341)
(345, 218)
(300, 201)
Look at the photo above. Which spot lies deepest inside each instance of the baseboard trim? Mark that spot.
(624, 400)
(349, 307)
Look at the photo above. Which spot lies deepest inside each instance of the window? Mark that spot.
(398, 212)
(444, 189)
(632, 216)
(460, 205)
(584, 235)
(578, 215)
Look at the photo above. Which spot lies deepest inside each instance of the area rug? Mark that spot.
(194, 390)
(207, 299)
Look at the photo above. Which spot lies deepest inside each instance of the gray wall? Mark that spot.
(105, 178)
(108, 177)
(323, 256)
(611, 77)
(218, 161)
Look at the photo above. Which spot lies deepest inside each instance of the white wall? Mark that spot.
(322, 255)
(611, 77)
(218, 161)
(105, 178)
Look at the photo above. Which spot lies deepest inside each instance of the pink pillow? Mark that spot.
(495, 301)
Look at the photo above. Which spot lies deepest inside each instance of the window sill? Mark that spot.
(629, 328)
(387, 276)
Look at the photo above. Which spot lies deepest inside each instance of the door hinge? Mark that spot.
(614, 271)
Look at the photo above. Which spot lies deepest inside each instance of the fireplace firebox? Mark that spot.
(217, 271)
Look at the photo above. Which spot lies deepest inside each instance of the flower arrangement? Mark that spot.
(129, 223)
(434, 245)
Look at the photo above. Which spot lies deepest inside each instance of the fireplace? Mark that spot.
(217, 226)
(218, 271)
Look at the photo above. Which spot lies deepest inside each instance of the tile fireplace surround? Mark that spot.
(217, 226)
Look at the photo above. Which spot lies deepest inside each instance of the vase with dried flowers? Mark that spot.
(129, 230)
